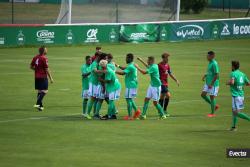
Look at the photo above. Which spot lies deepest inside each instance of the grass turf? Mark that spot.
(60, 137)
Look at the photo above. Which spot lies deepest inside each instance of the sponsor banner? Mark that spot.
(139, 33)
(21, 35)
(190, 31)
(232, 28)
(18, 36)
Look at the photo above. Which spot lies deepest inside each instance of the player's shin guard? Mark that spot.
(111, 107)
(161, 102)
(129, 107)
(145, 107)
(90, 105)
(84, 106)
(40, 99)
(98, 107)
(160, 110)
(213, 104)
(166, 101)
(134, 105)
(234, 120)
(95, 105)
(243, 116)
(207, 99)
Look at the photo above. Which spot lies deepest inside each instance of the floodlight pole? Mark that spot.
(178, 10)
(70, 10)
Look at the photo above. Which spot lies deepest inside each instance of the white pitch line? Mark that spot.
(24, 119)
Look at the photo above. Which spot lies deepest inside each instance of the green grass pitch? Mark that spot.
(60, 137)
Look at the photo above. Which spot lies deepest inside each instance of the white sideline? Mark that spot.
(122, 108)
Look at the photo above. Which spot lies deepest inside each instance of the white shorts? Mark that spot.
(93, 90)
(114, 95)
(154, 93)
(130, 93)
(237, 103)
(213, 91)
(100, 94)
(85, 94)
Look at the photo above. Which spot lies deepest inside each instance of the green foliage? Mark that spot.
(197, 6)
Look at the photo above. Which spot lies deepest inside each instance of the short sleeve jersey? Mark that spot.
(85, 80)
(40, 64)
(212, 70)
(131, 76)
(153, 71)
(164, 70)
(114, 83)
(240, 79)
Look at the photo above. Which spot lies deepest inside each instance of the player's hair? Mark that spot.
(41, 50)
(236, 64)
(210, 53)
(87, 57)
(110, 56)
(164, 55)
(151, 58)
(102, 56)
(130, 56)
(98, 48)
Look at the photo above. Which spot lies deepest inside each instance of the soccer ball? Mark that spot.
(103, 63)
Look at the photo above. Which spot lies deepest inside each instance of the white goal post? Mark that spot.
(118, 11)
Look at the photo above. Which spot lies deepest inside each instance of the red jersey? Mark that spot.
(40, 63)
(164, 70)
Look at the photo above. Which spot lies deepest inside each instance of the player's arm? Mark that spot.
(216, 76)
(100, 71)
(49, 75)
(174, 78)
(120, 72)
(121, 67)
(230, 82)
(32, 65)
(204, 77)
(214, 79)
(247, 82)
(140, 69)
(84, 75)
(144, 63)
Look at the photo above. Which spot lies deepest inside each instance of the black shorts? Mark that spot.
(164, 89)
(41, 83)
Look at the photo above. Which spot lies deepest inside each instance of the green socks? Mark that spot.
(213, 104)
(90, 105)
(234, 121)
(160, 110)
(145, 107)
(84, 106)
(207, 99)
(111, 107)
(243, 116)
(134, 106)
(98, 107)
(129, 107)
